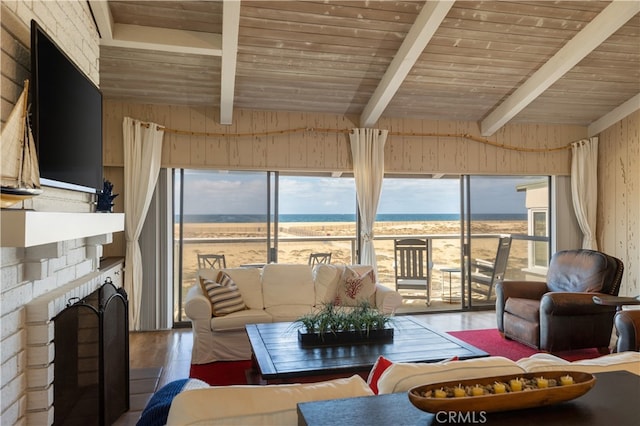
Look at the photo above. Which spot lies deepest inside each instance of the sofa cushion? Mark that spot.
(224, 295)
(579, 271)
(249, 283)
(280, 313)
(629, 361)
(157, 409)
(401, 376)
(326, 278)
(526, 309)
(237, 320)
(356, 287)
(284, 284)
(257, 405)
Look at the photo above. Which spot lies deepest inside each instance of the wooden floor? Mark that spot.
(171, 349)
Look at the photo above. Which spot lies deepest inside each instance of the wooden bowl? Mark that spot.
(582, 382)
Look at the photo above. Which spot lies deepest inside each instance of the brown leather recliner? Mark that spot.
(560, 314)
(628, 330)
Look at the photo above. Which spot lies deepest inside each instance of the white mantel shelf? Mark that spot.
(27, 228)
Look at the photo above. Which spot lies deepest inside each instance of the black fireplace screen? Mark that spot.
(91, 364)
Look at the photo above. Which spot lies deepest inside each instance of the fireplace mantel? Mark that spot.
(27, 228)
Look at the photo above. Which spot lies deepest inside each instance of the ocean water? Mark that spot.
(385, 217)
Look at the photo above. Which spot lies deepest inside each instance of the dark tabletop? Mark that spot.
(614, 400)
(280, 356)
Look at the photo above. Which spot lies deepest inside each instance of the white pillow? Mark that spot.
(356, 287)
(402, 376)
(326, 278)
(249, 283)
(287, 284)
(629, 361)
(257, 405)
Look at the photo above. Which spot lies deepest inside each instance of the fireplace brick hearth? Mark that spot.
(40, 351)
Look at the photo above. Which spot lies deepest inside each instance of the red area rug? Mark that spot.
(221, 373)
(490, 341)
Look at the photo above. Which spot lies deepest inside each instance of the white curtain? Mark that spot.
(584, 188)
(367, 150)
(142, 154)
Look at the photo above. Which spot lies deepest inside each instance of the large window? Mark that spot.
(316, 215)
(218, 213)
(422, 208)
(539, 223)
(253, 218)
(515, 206)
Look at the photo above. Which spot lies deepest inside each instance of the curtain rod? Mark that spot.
(345, 131)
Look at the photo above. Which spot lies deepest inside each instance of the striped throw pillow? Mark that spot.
(224, 295)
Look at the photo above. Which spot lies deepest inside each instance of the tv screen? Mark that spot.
(66, 118)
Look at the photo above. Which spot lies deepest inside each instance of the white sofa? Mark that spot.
(277, 404)
(276, 292)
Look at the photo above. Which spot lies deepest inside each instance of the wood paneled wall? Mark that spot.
(619, 164)
(618, 229)
(329, 151)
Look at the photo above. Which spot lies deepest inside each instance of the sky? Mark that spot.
(215, 192)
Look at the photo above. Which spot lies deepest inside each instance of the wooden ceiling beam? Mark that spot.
(417, 38)
(152, 38)
(614, 116)
(165, 39)
(230, 29)
(103, 18)
(582, 44)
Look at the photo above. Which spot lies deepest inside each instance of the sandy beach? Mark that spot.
(245, 243)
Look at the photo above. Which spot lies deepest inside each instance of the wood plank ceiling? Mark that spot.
(492, 62)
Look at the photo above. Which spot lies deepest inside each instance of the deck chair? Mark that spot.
(315, 258)
(413, 271)
(214, 261)
(487, 274)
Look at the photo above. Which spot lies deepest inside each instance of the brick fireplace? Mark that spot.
(47, 259)
(41, 335)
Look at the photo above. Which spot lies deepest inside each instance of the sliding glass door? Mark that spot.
(254, 218)
(505, 232)
(427, 209)
(222, 213)
(316, 214)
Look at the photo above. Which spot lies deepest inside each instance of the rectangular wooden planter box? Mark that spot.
(345, 337)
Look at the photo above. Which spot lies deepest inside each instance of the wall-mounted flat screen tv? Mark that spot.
(66, 118)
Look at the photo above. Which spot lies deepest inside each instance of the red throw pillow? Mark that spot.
(376, 371)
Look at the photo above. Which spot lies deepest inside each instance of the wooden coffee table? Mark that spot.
(613, 400)
(279, 358)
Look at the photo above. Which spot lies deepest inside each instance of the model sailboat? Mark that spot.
(20, 178)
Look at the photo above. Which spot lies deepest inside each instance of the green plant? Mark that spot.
(335, 319)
